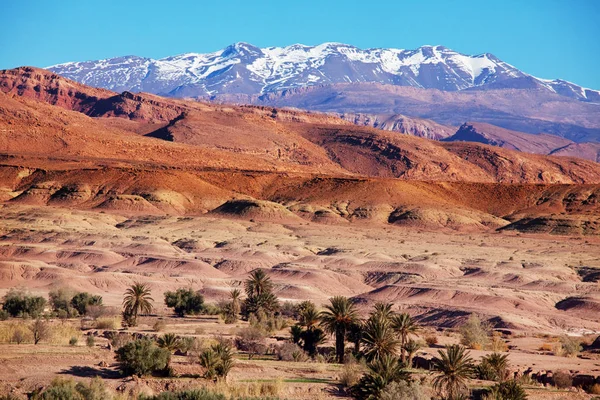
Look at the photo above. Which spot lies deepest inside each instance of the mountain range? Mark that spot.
(376, 87)
(242, 68)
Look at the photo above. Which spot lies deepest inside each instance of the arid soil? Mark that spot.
(515, 280)
(99, 190)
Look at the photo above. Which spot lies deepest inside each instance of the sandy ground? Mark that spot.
(439, 277)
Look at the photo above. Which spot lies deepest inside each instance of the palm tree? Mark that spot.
(510, 390)
(404, 325)
(383, 310)
(137, 301)
(309, 317)
(235, 296)
(382, 371)
(336, 319)
(378, 338)
(355, 334)
(411, 347)
(498, 363)
(258, 284)
(455, 367)
(260, 298)
(169, 341)
(209, 360)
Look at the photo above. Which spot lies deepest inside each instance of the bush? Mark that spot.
(212, 309)
(508, 390)
(90, 341)
(73, 341)
(95, 390)
(119, 339)
(4, 315)
(82, 301)
(60, 300)
(403, 390)
(475, 334)
(251, 340)
(562, 379)
(110, 323)
(142, 357)
(17, 303)
(350, 374)
(217, 361)
(594, 389)
(169, 341)
(67, 389)
(185, 302)
(196, 394)
(569, 347)
(20, 334)
(431, 340)
(187, 344)
(290, 352)
(159, 326)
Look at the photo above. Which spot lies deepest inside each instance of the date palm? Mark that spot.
(498, 363)
(383, 311)
(404, 325)
(169, 341)
(411, 347)
(455, 366)
(336, 319)
(378, 338)
(137, 301)
(235, 296)
(381, 372)
(309, 317)
(258, 284)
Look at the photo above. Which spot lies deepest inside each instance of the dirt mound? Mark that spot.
(557, 225)
(259, 210)
(580, 305)
(433, 218)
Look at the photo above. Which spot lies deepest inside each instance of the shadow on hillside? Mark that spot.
(90, 372)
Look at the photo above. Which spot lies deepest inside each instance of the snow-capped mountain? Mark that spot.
(245, 69)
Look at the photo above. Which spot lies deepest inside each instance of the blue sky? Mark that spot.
(549, 38)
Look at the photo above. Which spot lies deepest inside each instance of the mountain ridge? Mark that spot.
(246, 69)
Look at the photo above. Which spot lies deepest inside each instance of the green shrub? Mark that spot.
(217, 361)
(73, 341)
(17, 303)
(142, 357)
(508, 390)
(60, 301)
(187, 344)
(185, 302)
(82, 301)
(169, 341)
(90, 341)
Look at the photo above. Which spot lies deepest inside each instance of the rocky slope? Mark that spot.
(133, 157)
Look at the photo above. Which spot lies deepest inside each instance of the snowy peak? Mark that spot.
(242, 68)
